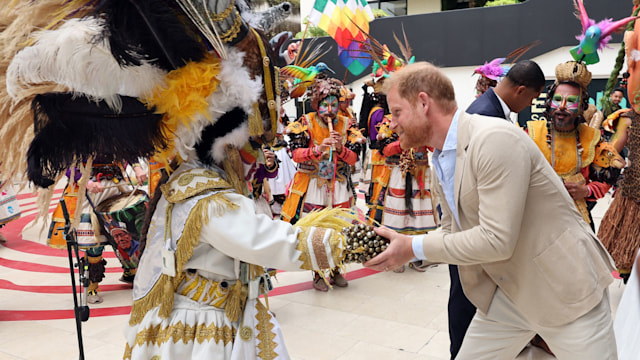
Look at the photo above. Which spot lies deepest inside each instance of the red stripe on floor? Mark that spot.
(31, 315)
(33, 267)
(34, 248)
(56, 289)
(31, 195)
(288, 289)
(13, 232)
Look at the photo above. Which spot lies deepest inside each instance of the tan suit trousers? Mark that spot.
(503, 332)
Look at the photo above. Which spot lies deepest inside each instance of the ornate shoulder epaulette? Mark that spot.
(191, 183)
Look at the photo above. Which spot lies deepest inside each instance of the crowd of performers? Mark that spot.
(235, 164)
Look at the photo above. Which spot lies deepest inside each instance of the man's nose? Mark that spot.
(563, 104)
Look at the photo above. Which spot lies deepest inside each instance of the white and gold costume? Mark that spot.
(213, 231)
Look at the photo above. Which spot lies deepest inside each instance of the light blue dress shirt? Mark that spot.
(445, 164)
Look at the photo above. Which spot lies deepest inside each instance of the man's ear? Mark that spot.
(424, 100)
(520, 89)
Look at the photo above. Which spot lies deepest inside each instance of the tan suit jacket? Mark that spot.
(519, 229)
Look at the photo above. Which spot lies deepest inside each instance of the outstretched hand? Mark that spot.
(398, 253)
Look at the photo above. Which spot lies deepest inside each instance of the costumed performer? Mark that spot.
(568, 143)
(106, 180)
(403, 202)
(619, 229)
(286, 167)
(323, 163)
(372, 113)
(176, 96)
(353, 134)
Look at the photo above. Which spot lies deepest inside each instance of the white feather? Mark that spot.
(69, 56)
(236, 89)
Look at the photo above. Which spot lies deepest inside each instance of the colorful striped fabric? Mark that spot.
(335, 17)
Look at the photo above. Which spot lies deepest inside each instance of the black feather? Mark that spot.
(151, 30)
(69, 127)
(225, 124)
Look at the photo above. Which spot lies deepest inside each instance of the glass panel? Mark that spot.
(391, 7)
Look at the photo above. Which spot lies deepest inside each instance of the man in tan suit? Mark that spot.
(527, 259)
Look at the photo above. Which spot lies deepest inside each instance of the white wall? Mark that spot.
(422, 6)
(305, 10)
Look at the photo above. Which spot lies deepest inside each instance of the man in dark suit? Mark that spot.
(521, 85)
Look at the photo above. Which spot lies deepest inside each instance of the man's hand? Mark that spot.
(95, 187)
(337, 140)
(269, 158)
(398, 253)
(141, 175)
(577, 191)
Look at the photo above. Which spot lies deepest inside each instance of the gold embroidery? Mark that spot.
(318, 248)
(265, 333)
(157, 336)
(127, 352)
(225, 14)
(302, 246)
(191, 183)
(246, 333)
(233, 30)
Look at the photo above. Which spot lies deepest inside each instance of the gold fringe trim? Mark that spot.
(334, 219)
(232, 165)
(256, 128)
(267, 345)
(162, 291)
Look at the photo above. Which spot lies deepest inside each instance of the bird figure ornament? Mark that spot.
(595, 36)
(304, 77)
(389, 63)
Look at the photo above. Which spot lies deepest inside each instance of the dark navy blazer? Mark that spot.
(487, 104)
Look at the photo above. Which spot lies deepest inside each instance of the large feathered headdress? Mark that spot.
(134, 77)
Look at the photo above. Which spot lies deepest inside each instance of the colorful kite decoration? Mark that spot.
(337, 18)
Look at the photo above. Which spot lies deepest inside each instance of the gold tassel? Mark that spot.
(168, 288)
(235, 302)
(256, 128)
(232, 165)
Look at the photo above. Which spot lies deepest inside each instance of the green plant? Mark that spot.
(379, 13)
(294, 3)
(501, 2)
(312, 30)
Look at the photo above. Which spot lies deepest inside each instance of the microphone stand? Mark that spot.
(81, 311)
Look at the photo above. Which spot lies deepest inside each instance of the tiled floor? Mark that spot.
(382, 316)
